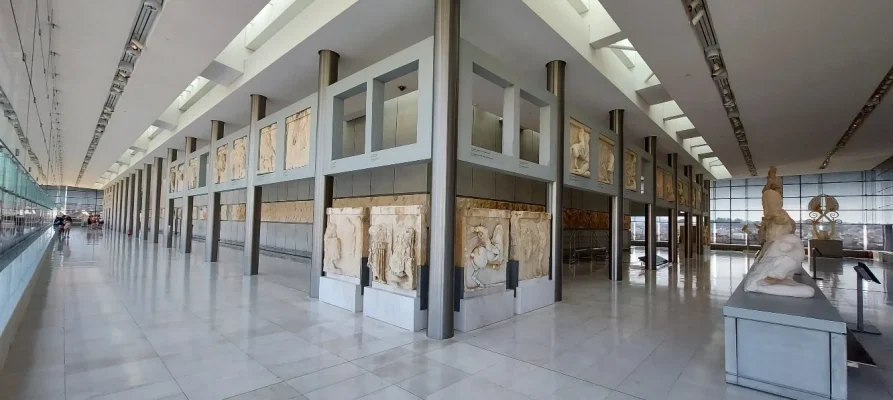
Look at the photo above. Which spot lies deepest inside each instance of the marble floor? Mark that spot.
(117, 318)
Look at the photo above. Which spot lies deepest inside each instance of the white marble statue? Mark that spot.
(774, 271)
(378, 252)
(332, 249)
(776, 220)
(579, 149)
(488, 252)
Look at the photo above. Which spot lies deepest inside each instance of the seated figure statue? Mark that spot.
(773, 273)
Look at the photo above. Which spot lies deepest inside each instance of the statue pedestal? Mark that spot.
(792, 347)
(533, 294)
(341, 291)
(828, 248)
(479, 311)
(402, 310)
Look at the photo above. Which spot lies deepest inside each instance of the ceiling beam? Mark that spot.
(602, 28)
(580, 5)
(688, 133)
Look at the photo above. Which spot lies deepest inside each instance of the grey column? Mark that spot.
(119, 212)
(706, 211)
(113, 218)
(125, 187)
(212, 222)
(443, 168)
(555, 74)
(138, 205)
(159, 183)
(686, 229)
(615, 268)
(673, 214)
(253, 193)
(650, 214)
(169, 218)
(188, 201)
(699, 218)
(131, 205)
(147, 199)
(323, 185)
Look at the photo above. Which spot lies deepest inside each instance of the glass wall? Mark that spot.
(24, 206)
(865, 198)
(75, 201)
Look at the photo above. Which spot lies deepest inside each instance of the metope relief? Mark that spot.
(397, 245)
(659, 184)
(220, 165)
(485, 244)
(224, 212)
(580, 135)
(605, 160)
(344, 241)
(530, 243)
(239, 157)
(297, 140)
(172, 179)
(669, 189)
(266, 161)
(631, 171)
(193, 173)
(181, 179)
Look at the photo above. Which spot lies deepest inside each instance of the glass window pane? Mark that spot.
(809, 178)
(842, 177)
(739, 192)
(852, 217)
(795, 179)
(842, 189)
(756, 182)
(722, 193)
(755, 192)
(722, 205)
(721, 233)
(738, 216)
(851, 202)
(809, 190)
(791, 190)
(875, 237)
(851, 235)
(738, 204)
(738, 182)
(757, 205)
(722, 183)
(721, 216)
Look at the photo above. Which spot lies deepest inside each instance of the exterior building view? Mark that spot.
(441, 199)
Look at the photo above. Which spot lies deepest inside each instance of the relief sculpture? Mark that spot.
(193, 173)
(172, 179)
(530, 243)
(239, 158)
(397, 245)
(297, 140)
(659, 177)
(580, 135)
(669, 188)
(631, 171)
(680, 193)
(267, 156)
(344, 241)
(605, 160)
(220, 165)
(485, 247)
(181, 179)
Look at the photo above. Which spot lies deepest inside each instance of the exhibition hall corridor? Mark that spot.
(114, 317)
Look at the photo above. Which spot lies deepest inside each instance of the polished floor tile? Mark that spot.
(117, 318)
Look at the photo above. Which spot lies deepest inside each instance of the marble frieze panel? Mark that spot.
(398, 245)
(484, 237)
(530, 241)
(669, 187)
(297, 139)
(631, 171)
(181, 179)
(580, 135)
(345, 241)
(172, 179)
(193, 173)
(267, 150)
(659, 178)
(239, 157)
(606, 160)
(220, 164)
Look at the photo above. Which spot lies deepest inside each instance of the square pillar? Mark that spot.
(147, 200)
(615, 266)
(169, 218)
(212, 223)
(673, 212)
(159, 183)
(253, 194)
(188, 201)
(131, 204)
(689, 216)
(137, 203)
(650, 214)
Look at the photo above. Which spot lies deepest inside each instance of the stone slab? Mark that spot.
(480, 311)
(395, 309)
(341, 293)
(533, 294)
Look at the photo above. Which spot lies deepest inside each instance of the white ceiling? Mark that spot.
(508, 29)
(186, 37)
(800, 71)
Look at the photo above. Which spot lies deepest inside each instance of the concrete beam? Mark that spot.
(602, 28)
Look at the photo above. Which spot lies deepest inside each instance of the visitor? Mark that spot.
(66, 227)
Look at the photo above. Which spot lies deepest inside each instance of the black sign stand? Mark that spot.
(862, 274)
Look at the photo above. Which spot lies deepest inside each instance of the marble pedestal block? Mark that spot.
(395, 309)
(533, 294)
(341, 292)
(789, 346)
(480, 311)
(828, 248)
